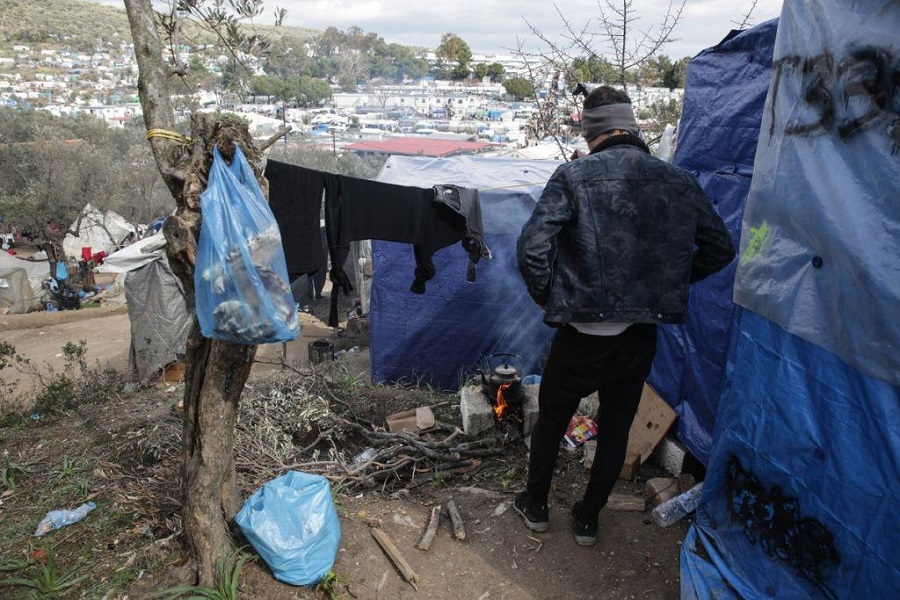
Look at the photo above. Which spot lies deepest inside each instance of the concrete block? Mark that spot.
(477, 413)
(589, 405)
(671, 455)
(530, 408)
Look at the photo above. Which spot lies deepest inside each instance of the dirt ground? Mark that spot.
(129, 547)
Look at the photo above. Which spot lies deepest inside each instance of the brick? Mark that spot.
(530, 410)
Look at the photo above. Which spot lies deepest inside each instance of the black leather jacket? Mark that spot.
(618, 236)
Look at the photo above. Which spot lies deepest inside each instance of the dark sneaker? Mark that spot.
(585, 530)
(535, 514)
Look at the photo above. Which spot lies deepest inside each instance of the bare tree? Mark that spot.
(216, 371)
(615, 34)
(747, 19)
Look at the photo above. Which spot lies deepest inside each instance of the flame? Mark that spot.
(500, 405)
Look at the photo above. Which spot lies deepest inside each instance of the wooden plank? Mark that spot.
(394, 554)
(652, 422)
(626, 502)
(630, 467)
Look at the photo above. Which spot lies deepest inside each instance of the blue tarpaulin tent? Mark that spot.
(723, 104)
(799, 499)
(442, 336)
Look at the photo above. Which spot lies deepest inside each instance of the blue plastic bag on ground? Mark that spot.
(242, 289)
(292, 524)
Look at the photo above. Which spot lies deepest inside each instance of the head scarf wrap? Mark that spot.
(602, 119)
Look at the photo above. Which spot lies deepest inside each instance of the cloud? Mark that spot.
(492, 26)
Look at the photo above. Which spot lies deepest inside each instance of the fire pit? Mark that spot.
(500, 400)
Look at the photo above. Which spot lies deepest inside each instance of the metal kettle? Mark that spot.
(502, 374)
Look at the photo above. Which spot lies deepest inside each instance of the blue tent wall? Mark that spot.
(724, 96)
(800, 497)
(443, 335)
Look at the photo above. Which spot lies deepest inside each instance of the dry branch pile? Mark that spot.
(308, 423)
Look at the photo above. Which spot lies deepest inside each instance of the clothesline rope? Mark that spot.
(515, 185)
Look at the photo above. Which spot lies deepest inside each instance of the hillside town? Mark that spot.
(103, 83)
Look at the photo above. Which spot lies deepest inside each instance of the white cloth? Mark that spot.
(604, 328)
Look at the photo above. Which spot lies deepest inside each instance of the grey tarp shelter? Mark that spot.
(157, 309)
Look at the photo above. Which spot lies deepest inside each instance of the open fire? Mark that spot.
(500, 404)
(505, 393)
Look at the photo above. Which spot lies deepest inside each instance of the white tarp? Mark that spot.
(36, 271)
(16, 295)
(134, 256)
(98, 231)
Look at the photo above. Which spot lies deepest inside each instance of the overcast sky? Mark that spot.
(490, 26)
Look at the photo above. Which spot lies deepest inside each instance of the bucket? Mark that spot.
(320, 351)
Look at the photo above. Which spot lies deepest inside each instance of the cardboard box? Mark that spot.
(174, 373)
(416, 420)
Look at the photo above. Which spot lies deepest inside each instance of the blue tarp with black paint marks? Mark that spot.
(800, 496)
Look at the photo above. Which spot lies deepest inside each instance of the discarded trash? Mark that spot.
(673, 510)
(60, 518)
(35, 416)
(419, 419)
(580, 430)
(364, 456)
(292, 523)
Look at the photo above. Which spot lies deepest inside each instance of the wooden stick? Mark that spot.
(278, 135)
(428, 536)
(459, 530)
(391, 550)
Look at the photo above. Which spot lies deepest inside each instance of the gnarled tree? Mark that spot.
(216, 371)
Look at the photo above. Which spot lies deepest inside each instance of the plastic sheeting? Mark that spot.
(159, 316)
(96, 230)
(16, 295)
(36, 271)
(443, 335)
(134, 256)
(821, 232)
(717, 136)
(800, 497)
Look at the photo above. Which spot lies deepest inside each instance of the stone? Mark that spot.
(530, 407)
(671, 455)
(477, 413)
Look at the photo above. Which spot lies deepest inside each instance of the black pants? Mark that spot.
(580, 364)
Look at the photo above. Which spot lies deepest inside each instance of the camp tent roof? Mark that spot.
(415, 146)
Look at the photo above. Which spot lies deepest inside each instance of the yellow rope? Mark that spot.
(169, 135)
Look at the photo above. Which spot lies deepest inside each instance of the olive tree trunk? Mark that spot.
(216, 371)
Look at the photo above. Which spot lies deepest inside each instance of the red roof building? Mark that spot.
(420, 146)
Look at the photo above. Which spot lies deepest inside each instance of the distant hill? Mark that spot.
(79, 25)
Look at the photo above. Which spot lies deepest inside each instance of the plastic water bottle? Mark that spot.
(60, 518)
(673, 510)
(364, 456)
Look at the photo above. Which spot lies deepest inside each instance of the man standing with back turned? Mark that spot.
(610, 250)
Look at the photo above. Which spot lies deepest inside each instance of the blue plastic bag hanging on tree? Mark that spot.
(291, 522)
(241, 282)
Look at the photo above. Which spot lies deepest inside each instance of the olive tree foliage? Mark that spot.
(51, 167)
